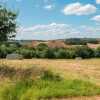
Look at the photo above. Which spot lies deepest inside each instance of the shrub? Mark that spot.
(50, 53)
(97, 52)
(27, 53)
(48, 75)
(41, 46)
(43, 51)
(3, 51)
(84, 52)
(65, 53)
(23, 74)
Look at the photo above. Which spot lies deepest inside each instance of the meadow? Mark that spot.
(88, 69)
(44, 79)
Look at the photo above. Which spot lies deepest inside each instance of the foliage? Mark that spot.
(46, 89)
(97, 52)
(43, 51)
(7, 24)
(41, 46)
(84, 52)
(27, 53)
(64, 53)
(48, 75)
(81, 41)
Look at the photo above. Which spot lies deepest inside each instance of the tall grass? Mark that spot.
(46, 89)
(48, 85)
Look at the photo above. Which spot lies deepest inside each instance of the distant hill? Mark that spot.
(50, 43)
(58, 43)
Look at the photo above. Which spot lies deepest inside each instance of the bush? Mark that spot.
(6, 48)
(50, 53)
(3, 51)
(97, 52)
(43, 51)
(19, 73)
(27, 53)
(65, 53)
(84, 52)
(41, 46)
(48, 75)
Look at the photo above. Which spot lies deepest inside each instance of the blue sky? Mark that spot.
(52, 19)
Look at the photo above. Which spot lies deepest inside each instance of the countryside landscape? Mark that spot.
(49, 50)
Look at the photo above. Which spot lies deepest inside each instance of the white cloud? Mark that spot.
(57, 31)
(4, 1)
(98, 1)
(52, 28)
(79, 9)
(96, 18)
(50, 31)
(49, 7)
(91, 30)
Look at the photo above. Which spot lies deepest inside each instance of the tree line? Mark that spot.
(81, 41)
(43, 51)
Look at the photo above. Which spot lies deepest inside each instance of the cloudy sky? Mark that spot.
(55, 19)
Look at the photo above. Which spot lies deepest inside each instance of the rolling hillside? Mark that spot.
(63, 43)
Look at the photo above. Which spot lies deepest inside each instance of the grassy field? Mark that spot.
(88, 69)
(78, 78)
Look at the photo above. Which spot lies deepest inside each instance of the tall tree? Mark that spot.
(7, 24)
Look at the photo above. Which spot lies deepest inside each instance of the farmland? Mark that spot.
(76, 72)
(88, 68)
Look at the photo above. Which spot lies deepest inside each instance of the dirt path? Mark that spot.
(79, 98)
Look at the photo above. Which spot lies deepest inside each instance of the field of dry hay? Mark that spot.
(88, 69)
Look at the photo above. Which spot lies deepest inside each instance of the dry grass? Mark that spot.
(88, 69)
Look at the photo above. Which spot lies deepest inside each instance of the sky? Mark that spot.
(56, 19)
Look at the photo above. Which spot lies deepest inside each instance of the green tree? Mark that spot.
(27, 53)
(97, 52)
(7, 24)
(84, 52)
(42, 46)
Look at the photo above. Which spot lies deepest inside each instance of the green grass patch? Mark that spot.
(44, 89)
